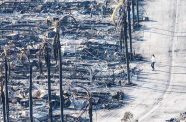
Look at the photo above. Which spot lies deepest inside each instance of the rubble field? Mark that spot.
(92, 60)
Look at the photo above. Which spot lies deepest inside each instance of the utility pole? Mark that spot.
(30, 94)
(6, 89)
(133, 14)
(137, 11)
(129, 25)
(126, 44)
(60, 72)
(49, 82)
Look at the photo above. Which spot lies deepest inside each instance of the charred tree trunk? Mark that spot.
(133, 14)
(3, 101)
(49, 82)
(137, 12)
(6, 90)
(126, 44)
(129, 25)
(57, 38)
(30, 94)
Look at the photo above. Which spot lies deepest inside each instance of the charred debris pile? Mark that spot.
(180, 118)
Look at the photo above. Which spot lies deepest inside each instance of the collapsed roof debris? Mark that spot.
(91, 57)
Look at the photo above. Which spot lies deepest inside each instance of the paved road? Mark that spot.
(160, 94)
(174, 100)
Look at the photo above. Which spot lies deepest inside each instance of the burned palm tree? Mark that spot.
(123, 38)
(55, 47)
(133, 13)
(129, 27)
(2, 97)
(46, 50)
(6, 83)
(30, 90)
(58, 46)
(25, 57)
(30, 95)
(137, 12)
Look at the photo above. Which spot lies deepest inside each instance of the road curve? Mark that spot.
(174, 100)
(160, 94)
(170, 80)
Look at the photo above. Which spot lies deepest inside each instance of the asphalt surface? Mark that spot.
(160, 94)
(174, 99)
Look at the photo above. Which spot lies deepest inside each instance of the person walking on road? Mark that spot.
(153, 61)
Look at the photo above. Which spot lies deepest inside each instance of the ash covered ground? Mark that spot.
(91, 58)
(94, 68)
